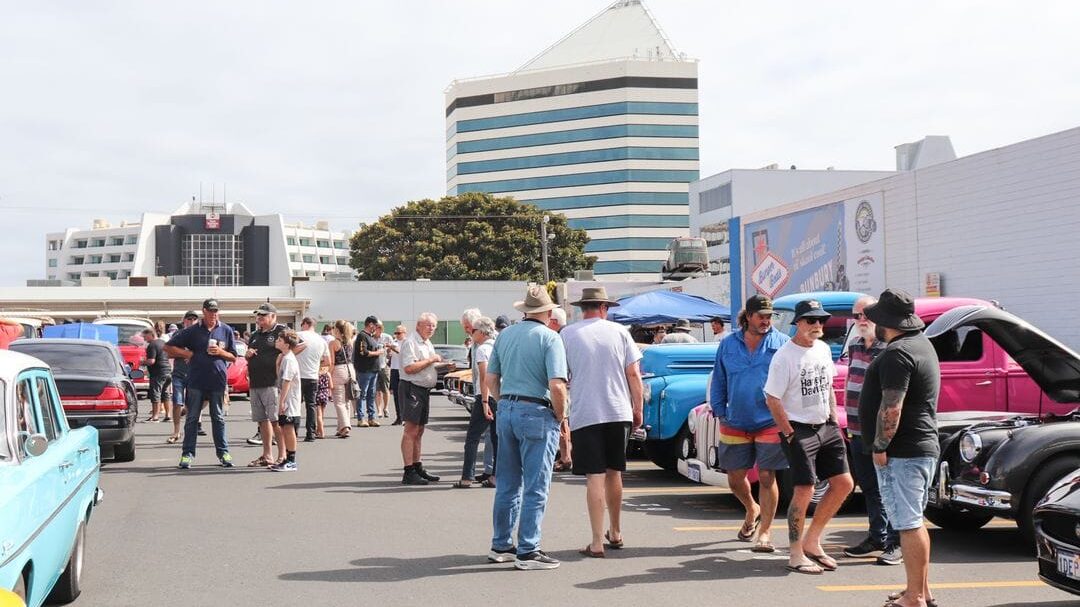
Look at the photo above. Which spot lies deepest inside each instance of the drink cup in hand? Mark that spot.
(213, 344)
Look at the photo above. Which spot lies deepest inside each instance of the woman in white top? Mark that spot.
(342, 374)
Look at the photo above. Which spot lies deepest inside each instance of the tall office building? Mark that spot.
(602, 126)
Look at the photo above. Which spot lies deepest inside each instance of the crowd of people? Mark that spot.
(553, 395)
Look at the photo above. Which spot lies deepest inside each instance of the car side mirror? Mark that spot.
(136, 374)
(35, 445)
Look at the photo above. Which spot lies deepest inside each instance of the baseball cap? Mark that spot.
(210, 304)
(502, 322)
(266, 308)
(372, 320)
(191, 314)
(810, 308)
(758, 303)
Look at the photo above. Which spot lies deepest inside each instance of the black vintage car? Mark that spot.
(1057, 534)
(95, 388)
(999, 464)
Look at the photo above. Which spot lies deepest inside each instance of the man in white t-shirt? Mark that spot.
(311, 353)
(606, 392)
(800, 397)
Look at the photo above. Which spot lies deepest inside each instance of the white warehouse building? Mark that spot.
(198, 244)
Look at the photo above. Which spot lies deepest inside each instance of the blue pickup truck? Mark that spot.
(676, 378)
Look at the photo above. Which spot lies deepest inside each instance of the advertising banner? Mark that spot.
(834, 247)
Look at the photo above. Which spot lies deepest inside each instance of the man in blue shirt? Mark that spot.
(748, 433)
(207, 347)
(527, 375)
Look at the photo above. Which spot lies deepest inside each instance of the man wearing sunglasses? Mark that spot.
(800, 397)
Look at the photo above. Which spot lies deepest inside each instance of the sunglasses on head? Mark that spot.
(815, 320)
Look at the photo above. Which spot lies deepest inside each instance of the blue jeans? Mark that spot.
(489, 450)
(905, 486)
(367, 383)
(478, 426)
(528, 437)
(179, 395)
(862, 466)
(194, 405)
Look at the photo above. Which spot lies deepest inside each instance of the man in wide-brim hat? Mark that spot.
(595, 295)
(898, 407)
(527, 375)
(680, 333)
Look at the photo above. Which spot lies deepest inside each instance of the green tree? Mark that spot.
(472, 236)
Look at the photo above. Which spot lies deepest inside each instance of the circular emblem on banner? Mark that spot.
(865, 226)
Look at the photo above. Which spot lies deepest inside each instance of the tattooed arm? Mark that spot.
(888, 418)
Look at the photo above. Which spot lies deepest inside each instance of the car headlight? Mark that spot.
(970, 446)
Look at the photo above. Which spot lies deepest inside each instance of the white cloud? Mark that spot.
(335, 109)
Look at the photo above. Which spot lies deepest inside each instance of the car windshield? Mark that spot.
(452, 352)
(71, 359)
(5, 449)
(836, 329)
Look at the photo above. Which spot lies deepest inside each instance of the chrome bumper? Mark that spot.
(971, 495)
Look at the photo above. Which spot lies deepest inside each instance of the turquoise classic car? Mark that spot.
(49, 477)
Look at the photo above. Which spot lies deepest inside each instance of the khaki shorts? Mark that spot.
(382, 384)
(264, 404)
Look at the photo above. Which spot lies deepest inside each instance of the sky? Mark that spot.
(334, 109)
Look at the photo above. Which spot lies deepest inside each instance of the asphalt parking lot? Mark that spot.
(343, 530)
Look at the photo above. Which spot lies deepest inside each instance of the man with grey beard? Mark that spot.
(882, 542)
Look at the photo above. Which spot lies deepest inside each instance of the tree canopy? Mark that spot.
(473, 236)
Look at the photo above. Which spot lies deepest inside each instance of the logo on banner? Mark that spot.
(865, 226)
(213, 221)
(770, 275)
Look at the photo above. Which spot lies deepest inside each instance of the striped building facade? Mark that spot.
(611, 140)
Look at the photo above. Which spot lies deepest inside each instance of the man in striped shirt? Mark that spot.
(882, 542)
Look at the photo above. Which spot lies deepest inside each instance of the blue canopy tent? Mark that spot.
(665, 307)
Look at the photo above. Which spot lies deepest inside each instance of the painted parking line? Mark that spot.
(675, 490)
(938, 586)
(994, 523)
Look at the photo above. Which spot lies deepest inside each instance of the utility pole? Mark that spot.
(544, 247)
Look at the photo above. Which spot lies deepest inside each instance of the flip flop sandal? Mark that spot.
(586, 551)
(747, 533)
(612, 543)
(893, 597)
(258, 462)
(827, 562)
(172, 440)
(763, 547)
(806, 569)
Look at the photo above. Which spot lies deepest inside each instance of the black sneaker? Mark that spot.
(201, 432)
(867, 547)
(502, 556)
(535, 560)
(412, 477)
(425, 474)
(891, 556)
(309, 439)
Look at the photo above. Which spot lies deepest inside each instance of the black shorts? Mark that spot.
(416, 403)
(816, 453)
(600, 447)
(287, 420)
(158, 388)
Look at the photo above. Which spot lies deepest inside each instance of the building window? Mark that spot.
(124, 274)
(297, 273)
(52, 263)
(341, 244)
(212, 259)
(76, 261)
(307, 242)
(312, 273)
(290, 240)
(73, 276)
(114, 258)
(129, 257)
(715, 198)
(94, 259)
(294, 257)
(309, 259)
(325, 259)
(91, 275)
(80, 244)
(111, 275)
(54, 245)
(116, 241)
(52, 277)
(97, 242)
(131, 239)
(325, 244)
(342, 261)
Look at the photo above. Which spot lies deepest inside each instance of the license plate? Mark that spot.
(1068, 564)
(693, 473)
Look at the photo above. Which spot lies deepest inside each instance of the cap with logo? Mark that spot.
(759, 304)
(810, 308)
(265, 308)
(210, 304)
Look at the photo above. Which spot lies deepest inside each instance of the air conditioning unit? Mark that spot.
(582, 275)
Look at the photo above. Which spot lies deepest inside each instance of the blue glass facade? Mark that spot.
(607, 200)
(641, 243)
(600, 132)
(577, 179)
(582, 157)
(628, 267)
(630, 221)
(575, 113)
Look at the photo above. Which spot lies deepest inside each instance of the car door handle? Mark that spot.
(84, 450)
(983, 383)
(66, 465)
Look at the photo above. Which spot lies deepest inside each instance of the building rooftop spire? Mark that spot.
(624, 30)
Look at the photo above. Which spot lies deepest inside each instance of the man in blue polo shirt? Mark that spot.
(527, 375)
(207, 346)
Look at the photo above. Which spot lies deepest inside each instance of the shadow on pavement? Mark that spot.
(387, 569)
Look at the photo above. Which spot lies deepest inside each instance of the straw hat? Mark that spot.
(536, 300)
(594, 295)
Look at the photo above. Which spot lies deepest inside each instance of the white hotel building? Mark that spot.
(602, 127)
(198, 244)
